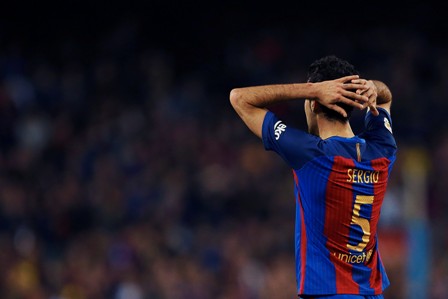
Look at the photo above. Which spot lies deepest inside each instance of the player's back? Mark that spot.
(340, 193)
(340, 185)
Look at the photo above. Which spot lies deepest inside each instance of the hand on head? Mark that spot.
(349, 90)
(370, 92)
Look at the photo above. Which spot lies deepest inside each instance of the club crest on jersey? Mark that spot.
(279, 128)
(387, 124)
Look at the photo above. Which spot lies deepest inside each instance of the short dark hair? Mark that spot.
(330, 68)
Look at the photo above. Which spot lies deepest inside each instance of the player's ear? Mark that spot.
(315, 106)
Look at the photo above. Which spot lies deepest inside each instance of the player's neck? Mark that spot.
(328, 128)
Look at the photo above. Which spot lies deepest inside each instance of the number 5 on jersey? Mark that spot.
(362, 222)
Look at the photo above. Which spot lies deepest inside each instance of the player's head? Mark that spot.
(330, 68)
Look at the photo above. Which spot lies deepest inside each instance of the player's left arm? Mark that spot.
(251, 102)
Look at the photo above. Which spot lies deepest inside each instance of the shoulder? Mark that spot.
(294, 145)
(380, 124)
(278, 130)
(379, 132)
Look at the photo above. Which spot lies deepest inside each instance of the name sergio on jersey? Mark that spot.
(279, 128)
(355, 175)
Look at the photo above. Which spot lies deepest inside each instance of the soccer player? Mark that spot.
(340, 178)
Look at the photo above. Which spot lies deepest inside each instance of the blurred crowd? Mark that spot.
(125, 174)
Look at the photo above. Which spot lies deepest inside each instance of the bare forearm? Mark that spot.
(265, 95)
(384, 93)
(250, 102)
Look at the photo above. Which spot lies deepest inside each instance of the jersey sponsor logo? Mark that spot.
(387, 124)
(279, 128)
(354, 258)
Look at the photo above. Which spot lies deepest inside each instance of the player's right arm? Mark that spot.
(384, 95)
(378, 123)
(378, 93)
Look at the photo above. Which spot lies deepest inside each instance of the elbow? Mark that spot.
(241, 100)
(235, 97)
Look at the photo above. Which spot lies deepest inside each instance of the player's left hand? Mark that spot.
(370, 92)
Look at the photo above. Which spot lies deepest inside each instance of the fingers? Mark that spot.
(362, 85)
(368, 93)
(359, 81)
(354, 96)
(350, 101)
(356, 86)
(371, 103)
(374, 110)
(347, 78)
(338, 109)
(350, 90)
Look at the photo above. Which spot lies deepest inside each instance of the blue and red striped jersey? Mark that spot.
(339, 185)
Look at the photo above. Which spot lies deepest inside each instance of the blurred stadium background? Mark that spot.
(125, 174)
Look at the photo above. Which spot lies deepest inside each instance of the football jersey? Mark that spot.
(339, 186)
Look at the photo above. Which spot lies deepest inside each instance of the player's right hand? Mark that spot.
(371, 93)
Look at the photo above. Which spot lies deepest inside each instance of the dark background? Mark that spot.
(124, 172)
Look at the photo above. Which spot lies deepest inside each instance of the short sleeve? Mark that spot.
(295, 146)
(379, 129)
